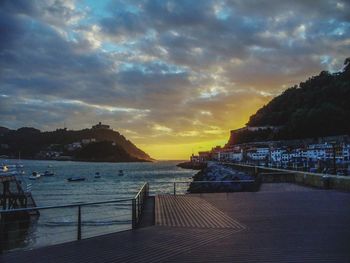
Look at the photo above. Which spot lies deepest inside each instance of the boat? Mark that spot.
(48, 173)
(121, 173)
(4, 168)
(7, 171)
(76, 179)
(34, 176)
(97, 175)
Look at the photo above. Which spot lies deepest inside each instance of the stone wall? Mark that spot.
(274, 175)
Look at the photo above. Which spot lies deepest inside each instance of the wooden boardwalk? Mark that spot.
(295, 225)
(187, 211)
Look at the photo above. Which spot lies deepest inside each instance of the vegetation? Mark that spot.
(104, 152)
(30, 142)
(318, 107)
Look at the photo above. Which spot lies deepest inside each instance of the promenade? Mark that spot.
(281, 223)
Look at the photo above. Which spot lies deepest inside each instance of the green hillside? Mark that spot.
(108, 145)
(318, 107)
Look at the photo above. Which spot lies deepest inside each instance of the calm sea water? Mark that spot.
(60, 225)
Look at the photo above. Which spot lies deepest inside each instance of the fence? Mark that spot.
(138, 204)
(198, 186)
(25, 228)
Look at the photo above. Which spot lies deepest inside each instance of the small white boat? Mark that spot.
(5, 168)
(34, 176)
(10, 170)
(76, 179)
(6, 171)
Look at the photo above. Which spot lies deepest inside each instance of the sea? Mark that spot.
(59, 225)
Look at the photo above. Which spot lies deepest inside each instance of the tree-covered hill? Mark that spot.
(104, 151)
(317, 107)
(30, 142)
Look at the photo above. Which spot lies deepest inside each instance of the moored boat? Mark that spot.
(7, 170)
(48, 173)
(34, 176)
(76, 179)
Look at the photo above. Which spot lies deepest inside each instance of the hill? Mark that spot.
(104, 151)
(318, 107)
(95, 144)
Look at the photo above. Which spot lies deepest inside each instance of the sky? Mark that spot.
(174, 77)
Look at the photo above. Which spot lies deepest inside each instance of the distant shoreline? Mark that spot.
(77, 160)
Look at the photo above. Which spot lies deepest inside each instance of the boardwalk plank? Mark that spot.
(187, 211)
(302, 225)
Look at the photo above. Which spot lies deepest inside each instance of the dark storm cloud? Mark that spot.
(213, 33)
(163, 66)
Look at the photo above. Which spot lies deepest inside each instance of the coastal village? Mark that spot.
(50, 153)
(174, 131)
(62, 151)
(324, 155)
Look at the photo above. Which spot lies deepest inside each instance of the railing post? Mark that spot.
(133, 213)
(139, 204)
(2, 234)
(79, 223)
(174, 188)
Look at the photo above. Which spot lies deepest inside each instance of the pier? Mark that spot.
(283, 222)
(13, 196)
(14, 225)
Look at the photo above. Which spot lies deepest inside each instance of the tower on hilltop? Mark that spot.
(100, 126)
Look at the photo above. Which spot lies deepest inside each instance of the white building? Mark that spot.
(87, 141)
(73, 146)
(346, 152)
(236, 155)
(194, 158)
(318, 152)
(101, 126)
(258, 153)
(276, 154)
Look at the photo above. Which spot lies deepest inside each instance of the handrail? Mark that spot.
(186, 182)
(141, 189)
(282, 170)
(138, 204)
(64, 206)
(232, 181)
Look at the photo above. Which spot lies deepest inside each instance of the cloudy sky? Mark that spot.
(172, 76)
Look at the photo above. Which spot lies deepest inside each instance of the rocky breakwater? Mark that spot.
(192, 165)
(221, 178)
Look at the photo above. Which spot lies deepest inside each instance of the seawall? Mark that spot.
(275, 175)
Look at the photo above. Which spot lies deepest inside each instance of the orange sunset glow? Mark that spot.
(173, 77)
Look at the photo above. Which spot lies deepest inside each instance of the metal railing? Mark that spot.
(138, 204)
(19, 227)
(281, 167)
(83, 220)
(25, 228)
(28, 188)
(182, 187)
